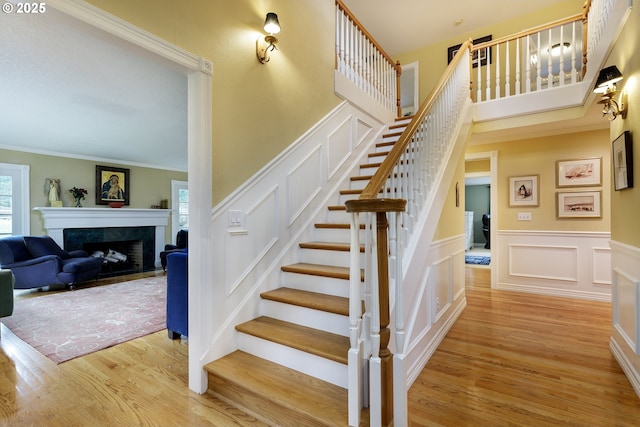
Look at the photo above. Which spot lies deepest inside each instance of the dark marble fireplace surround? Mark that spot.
(137, 243)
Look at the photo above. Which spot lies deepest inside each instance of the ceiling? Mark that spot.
(71, 90)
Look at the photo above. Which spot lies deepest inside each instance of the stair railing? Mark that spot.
(392, 201)
(536, 59)
(361, 60)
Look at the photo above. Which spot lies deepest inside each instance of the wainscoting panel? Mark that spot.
(257, 229)
(304, 182)
(436, 301)
(567, 264)
(544, 262)
(339, 146)
(625, 337)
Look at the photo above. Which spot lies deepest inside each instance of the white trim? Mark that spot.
(492, 156)
(176, 186)
(199, 137)
(21, 197)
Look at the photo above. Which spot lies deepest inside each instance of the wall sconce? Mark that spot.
(606, 85)
(268, 44)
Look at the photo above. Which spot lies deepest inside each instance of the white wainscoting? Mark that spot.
(625, 338)
(567, 264)
(256, 229)
(435, 302)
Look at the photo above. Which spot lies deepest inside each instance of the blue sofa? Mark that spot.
(38, 262)
(178, 294)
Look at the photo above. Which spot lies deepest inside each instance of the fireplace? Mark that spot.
(135, 244)
(72, 228)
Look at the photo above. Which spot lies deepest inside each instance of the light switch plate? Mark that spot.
(524, 216)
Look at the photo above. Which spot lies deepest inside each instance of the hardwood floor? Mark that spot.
(511, 360)
(515, 359)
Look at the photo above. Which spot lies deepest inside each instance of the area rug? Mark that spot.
(71, 324)
(477, 260)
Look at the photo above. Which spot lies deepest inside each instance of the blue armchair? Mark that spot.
(177, 294)
(6, 293)
(38, 262)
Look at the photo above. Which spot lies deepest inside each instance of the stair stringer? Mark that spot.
(236, 297)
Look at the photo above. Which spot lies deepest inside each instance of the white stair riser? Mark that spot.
(324, 285)
(337, 235)
(324, 369)
(329, 322)
(326, 257)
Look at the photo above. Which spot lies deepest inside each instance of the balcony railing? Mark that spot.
(361, 60)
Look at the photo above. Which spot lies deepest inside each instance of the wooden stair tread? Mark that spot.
(337, 208)
(313, 300)
(350, 192)
(361, 177)
(329, 246)
(320, 270)
(336, 226)
(282, 395)
(314, 341)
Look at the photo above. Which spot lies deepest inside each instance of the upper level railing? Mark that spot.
(552, 55)
(361, 60)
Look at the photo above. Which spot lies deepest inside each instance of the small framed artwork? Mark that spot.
(622, 162)
(523, 190)
(577, 173)
(484, 54)
(112, 185)
(579, 204)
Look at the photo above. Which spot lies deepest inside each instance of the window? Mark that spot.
(180, 206)
(14, 199)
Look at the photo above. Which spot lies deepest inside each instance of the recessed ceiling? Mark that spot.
(71, 90)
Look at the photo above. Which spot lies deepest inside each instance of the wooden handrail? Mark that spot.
(368, 35)
(528, 32)
(365, 202)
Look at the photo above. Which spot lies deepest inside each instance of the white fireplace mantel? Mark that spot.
(57, 219)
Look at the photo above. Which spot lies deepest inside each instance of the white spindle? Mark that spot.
(487, 72)
(549, 64)
(498, 72)
(574, 71)
(562, 51)
(507, 75)
(538, 64)
(528, 66)
(517, 67)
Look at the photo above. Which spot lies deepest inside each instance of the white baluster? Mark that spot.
(549, 64)
(528, 65)
(355, 327)
(538, 65)
(487, 71)
(498, 91)
(574, 71)
(507, 77)
(518, 59)
(562, 51)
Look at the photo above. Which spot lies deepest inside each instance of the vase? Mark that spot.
(78, 204)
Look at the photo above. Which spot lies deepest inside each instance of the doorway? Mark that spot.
(409, 101)
(481, 210)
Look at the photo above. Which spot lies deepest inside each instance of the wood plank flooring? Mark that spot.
(511, 360)
(515, 359)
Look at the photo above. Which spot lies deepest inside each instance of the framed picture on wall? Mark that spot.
(112, 185)
(523, 190)
(581, 172)
(579, 204)
(622, 162)
(479, 57)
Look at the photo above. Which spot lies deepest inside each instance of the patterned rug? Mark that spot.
(478, 260)
(71, 324)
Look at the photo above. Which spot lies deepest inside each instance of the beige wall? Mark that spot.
(433, 58)
(258, 110)
(538, 156)
(451, 222)
(625, 204)
(147, 186)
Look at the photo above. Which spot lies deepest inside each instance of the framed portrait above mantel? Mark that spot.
(112, 185)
